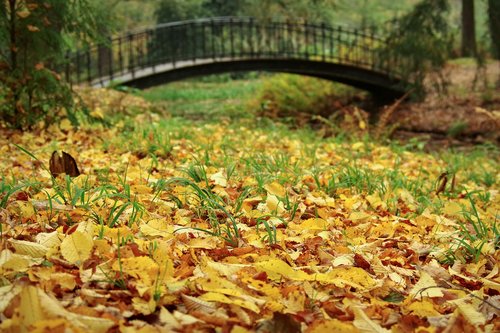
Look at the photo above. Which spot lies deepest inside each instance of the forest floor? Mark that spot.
(205, 218)
(468, 113)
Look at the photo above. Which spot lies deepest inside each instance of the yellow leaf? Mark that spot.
(97, 113)
(7, 293)
(196, 304)
(333, 326)
(144, 269)
(362, 124)
(375, 201)
(398, 279)
(141, 189)
(77, 247)
(218, 297)
(359, 216)
(263, 287)
(15, 262)
(65, 280)
(425, 287)
(310, 224)
(239, 329)
(219, 178)
(219, 285)
(49, 239)
(351, 202)
(276, 269)
(276, 189)
(203, 243)
(294, 302)
(168, 320)
(53, 309)
(249, 203)
(145, 307)
(65, 125)
(452, 208)
(357, 146)
(406, 196)
(157, 228)
(274, 204)
(311, 198)
(22, 208)
(422, 309)
(52, 325)
(28, 248)
(30, 308)
(472, 315)
(225, 269)
(315, 294)
(350, 276)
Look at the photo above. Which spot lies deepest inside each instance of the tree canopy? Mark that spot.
(33, 40)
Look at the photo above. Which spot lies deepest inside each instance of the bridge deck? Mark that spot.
(179, 50)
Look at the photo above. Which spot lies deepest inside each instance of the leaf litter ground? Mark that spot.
(241, 227)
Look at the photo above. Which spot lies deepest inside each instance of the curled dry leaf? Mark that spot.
(64, 163)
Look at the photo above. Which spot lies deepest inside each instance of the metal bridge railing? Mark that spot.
(227, 38)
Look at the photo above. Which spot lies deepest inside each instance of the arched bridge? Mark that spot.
(179, 50)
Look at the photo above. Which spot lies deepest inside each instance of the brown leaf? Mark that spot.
(443, 179)
(63, 164)
(361, 262)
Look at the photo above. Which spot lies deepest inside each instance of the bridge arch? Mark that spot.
(179, 50)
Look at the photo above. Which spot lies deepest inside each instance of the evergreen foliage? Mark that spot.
(423, 39)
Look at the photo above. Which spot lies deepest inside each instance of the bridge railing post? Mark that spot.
(120, 54)
(288, 39)
(204, 37)
(149, 54)
(194, 46)
(342, 46)
(222, 27)
(323, 40)
(354, 47)
(373, 49)
(231, 38)
(173, 45)
(250, 36)
(315, 45)
(110, 59)
(259, 33)
(306, 32)
(242, 50)
(279, 39)
(131, 61)
(212, 27)
(89, 77)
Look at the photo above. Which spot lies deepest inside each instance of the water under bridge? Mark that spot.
(179, 50)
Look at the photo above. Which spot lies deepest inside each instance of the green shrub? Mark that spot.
(289, 95)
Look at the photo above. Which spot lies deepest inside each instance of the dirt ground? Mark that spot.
(469, 112)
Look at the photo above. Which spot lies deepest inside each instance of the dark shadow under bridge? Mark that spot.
(179, 50)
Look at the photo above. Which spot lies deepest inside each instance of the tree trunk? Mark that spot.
(12, 30)
(494, 24)
(468, 29)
